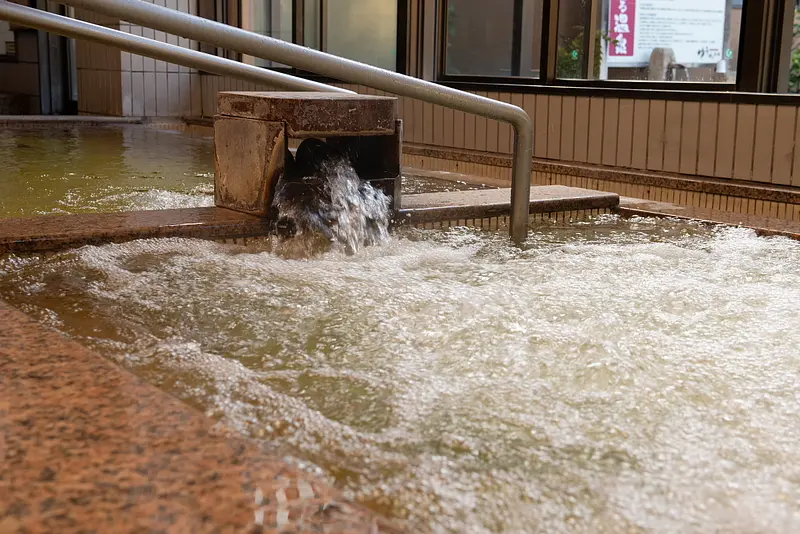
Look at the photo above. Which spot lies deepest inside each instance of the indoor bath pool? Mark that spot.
(615, 375)
(83, 169)
(99, 169)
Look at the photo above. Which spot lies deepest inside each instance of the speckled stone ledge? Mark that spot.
(53, 232)
(56, 232)
(313, 114)
(21, 121)
(765, 226)
(487, 203)
(88, 447)
(715, 186)
(486, 181)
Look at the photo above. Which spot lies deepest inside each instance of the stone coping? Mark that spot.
(764, 226)
(5, 120)
(314, 114)
(487, 203)
(715, 186)
(87, 446)
(52, 232)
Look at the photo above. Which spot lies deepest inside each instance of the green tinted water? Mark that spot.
(84, 170)
(115, 168)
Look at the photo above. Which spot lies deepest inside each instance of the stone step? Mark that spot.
(56, 232)
(486, 203)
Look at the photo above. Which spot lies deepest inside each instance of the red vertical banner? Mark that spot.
(622, 28)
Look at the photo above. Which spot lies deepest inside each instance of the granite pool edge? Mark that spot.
(89, 445)
(762, 226)
(48, 233)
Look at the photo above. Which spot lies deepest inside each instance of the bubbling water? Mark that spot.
(611, 376)
(321, 194)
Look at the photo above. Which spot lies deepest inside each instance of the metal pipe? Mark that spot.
(224, 36)
(57, 24)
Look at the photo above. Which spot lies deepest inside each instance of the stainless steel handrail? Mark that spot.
(222, 35)
(35, 18)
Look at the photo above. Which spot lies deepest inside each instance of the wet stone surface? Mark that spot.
(87, 445)
(314, 114)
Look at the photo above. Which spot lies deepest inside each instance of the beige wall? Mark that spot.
(20, 79)
(99, 82)
(111, 82)
(740, 141)
(736, 141)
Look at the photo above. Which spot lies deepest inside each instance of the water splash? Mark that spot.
(460, 383)
(321, 194)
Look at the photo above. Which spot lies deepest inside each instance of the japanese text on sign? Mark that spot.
(693, 29)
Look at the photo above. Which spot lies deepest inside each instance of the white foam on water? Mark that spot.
(158, 199)
(610, 376)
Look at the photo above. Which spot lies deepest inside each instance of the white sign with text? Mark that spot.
(693, 29)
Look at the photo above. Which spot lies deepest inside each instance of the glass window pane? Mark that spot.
(312, 23)
(794, 57)
(361, 30)
(657, 40)
(480, 38)
(272, 18)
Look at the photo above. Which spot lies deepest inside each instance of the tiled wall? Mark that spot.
(154, 88)
(111, 82)
(99, 81)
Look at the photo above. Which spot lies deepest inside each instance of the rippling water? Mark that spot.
(116, 168)
(609, 377)
(99, 169)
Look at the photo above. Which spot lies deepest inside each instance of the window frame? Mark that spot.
(759, 68)
(549, 50)
(298, 25)
(441, 14)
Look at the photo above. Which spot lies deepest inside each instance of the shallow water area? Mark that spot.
(96, 169)
(87, 169)
(614, 375)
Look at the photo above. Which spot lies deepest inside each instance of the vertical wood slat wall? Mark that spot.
(751, 142)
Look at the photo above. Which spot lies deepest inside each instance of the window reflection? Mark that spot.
(361, 30)
(272, 18)
(7, 46)
(657, 40)
(794, 56)
(499, 38)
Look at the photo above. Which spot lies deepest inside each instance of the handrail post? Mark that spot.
(522, 167)
(224, 36)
